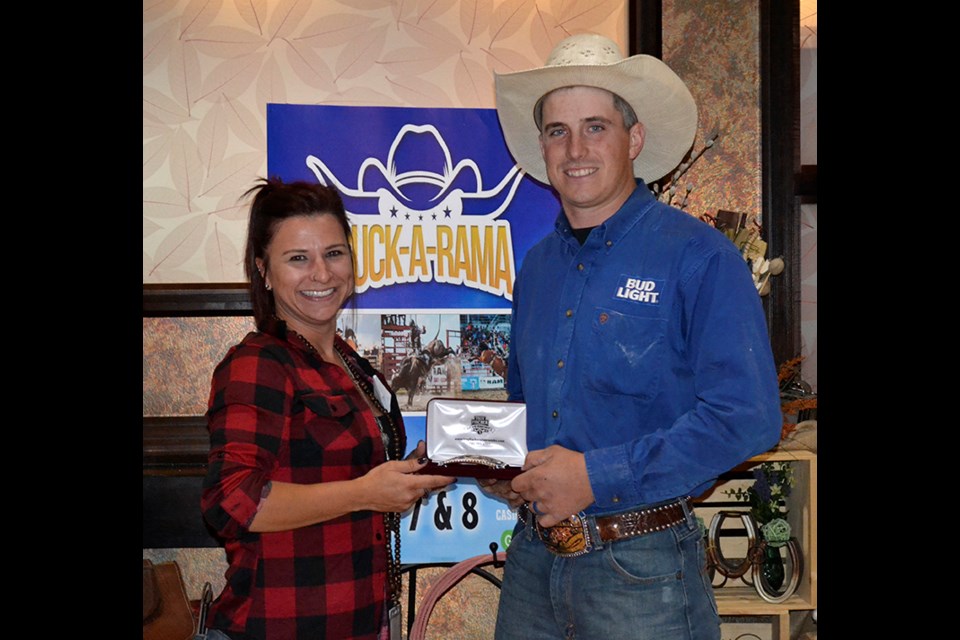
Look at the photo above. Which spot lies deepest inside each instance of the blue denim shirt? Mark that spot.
(647, 350)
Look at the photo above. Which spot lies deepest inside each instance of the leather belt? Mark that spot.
(575, 535)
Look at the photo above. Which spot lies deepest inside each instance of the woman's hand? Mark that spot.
(393, 486)
(418, 452)
(396, 485)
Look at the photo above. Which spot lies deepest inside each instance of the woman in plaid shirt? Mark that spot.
(306, 481)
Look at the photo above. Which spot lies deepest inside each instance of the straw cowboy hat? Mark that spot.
(658, 96)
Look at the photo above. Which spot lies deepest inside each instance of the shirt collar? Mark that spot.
(277, 328)
(617, 225)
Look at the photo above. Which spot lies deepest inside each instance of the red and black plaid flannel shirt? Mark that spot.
(278, 412)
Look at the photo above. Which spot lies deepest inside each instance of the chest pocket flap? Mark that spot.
(327, 405)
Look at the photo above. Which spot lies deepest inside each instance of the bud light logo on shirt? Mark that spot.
(639, 289)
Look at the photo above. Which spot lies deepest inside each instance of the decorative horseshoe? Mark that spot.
(715, 555)
(796, 570)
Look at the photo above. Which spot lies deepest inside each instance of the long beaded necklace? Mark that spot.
(388, 431)
(391, 442)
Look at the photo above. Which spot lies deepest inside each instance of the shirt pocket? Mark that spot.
(333, 423)
(624, 354)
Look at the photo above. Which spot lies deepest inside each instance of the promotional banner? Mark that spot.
(441, 219)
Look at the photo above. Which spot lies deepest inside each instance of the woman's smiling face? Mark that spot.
(310, 270)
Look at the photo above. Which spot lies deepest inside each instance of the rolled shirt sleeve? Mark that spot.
(246, 419)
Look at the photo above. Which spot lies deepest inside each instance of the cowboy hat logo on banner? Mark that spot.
(419, 217)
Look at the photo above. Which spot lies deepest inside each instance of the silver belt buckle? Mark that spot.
(568, 538)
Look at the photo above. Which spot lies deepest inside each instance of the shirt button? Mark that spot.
(569, 312)
(609, 243)
(555, 413)
(559, 364)
(616, 499)
(580, 267)
(603, 318)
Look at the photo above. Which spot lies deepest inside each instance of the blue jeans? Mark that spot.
(652, 587)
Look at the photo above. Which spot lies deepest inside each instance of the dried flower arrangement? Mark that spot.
(746, 237)
(666, 190)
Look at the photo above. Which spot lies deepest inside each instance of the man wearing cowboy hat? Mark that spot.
(640, 348)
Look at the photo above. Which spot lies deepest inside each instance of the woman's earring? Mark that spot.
(267, 285)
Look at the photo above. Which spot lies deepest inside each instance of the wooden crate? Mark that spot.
(737, 599)
(749, 628)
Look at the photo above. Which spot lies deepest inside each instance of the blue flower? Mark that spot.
(771, 484)
(761, 485)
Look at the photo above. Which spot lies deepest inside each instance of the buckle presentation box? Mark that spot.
(476, 439)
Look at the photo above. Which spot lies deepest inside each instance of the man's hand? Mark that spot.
(555, 479)
(500, 489)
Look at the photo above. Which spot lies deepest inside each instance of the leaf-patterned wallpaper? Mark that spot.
(211, 66)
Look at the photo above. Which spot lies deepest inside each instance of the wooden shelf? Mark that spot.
(744, 601)
(738, 599)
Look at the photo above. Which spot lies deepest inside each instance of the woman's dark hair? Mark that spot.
(273, 202)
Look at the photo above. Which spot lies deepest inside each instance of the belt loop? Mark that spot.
(527, 518)
(688, 512)
(594, 530)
